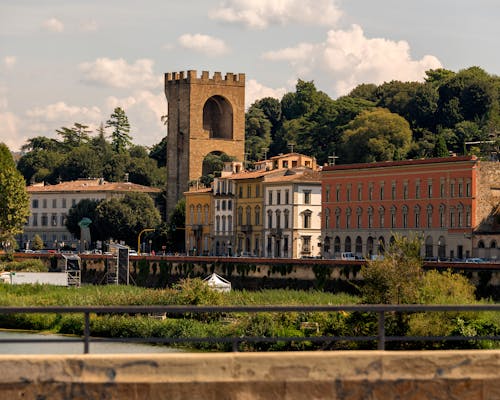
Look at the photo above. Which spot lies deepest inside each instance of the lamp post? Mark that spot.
(139, 238)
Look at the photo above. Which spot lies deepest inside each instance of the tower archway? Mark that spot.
(218, 118)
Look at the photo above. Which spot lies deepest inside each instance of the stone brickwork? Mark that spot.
(205, 114)
(488, 195)
(335, 375)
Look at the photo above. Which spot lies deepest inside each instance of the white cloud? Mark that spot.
(259, 14)
(89, 26)
(119, 74)
(144, 110)
(9, 61)
(203, 44)
(348, 58)
(60, 111)
(255, 91)
(10, 132)
(53, 25)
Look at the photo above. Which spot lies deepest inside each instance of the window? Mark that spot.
(270, 197)
(257, 215)
(337, 193)
(467, 189)
(248, 215)
(223, 203)
(405, 190)
(269, 219)
(327, 194)
(452, 189)
(306, 244)
(359, 215)
(217, 223)
(198, 214)
(381, 217)
(257, 190)
(230, 223)
(62, 219)
(468, 216)
(287, 196)
(249, 191)
(417, 216)
(460, 214)
(224, 223)
(307, 219)
(327, 218)
(370, 191)
(348, 193)
(348, 218)
(393, 190)
(382, 192)
(229, 205)
(442, 189)
(54, 203)
(63, 203)
(429, 216)
(278, 197)
(35, 219)
(278, 219)
(240, 192)
(370, 217)
(205, 214)
(429, 189)
(307, 197)
(405, 217)
(287, 219)
(442, 210)
(217, 205)
(239, 220)
(360, 192)
(44, 203)
(191, 214)
(34, 203)
(452, 217)
(417, 189)
(393, 217)
(53, 221)
(45, 219)
(460, 189)
(337, 218)
(73, 202)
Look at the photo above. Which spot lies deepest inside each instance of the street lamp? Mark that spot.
(139, 238)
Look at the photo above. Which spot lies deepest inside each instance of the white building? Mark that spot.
(50, 205)
(292, 212)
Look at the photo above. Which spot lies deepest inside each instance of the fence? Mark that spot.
(380, 310)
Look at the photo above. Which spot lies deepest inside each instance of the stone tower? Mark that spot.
(205, 115)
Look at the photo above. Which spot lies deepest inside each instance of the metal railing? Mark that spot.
(380, 310)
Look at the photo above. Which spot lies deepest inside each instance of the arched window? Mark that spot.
(287, 218)
(405, 216)
(198, 214)
(224, 223)
(348, 218)
(347, 245)
(493, 244)
(230, 223)
(269, 219)
(336, 245)
(327, 218)
(416, 211)
(257, 215)
(217, 224)
(239, 220)
(218, 118)
(381, 217)
(191, 214)
(442, 216)
(393, 216)
(359, 246)
(480, 244)
(429, 216)
(337, 218)
(460, 215)
(248, 215)
(278, 219)
(370, 217)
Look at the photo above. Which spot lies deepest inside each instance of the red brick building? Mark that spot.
(447, 201)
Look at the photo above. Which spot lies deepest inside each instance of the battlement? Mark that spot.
(191, 76)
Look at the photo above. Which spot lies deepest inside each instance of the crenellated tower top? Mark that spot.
(191, 76)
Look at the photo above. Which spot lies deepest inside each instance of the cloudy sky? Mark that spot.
(66, 61)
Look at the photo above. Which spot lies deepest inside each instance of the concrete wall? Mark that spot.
(246, 376)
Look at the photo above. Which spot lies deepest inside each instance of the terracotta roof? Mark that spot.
(382, 164)
(301, 176)
(91, 185)
(253, 174)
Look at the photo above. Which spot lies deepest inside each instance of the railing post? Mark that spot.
(86, 333)
(381, 330)
(235, 345)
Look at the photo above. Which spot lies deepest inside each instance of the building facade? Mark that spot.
(442, 200)
(292, 210)
(199, 217)
(50, 204)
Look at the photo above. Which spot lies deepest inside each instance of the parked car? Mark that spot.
(474, 260)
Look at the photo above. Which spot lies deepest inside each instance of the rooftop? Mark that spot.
(91, 185)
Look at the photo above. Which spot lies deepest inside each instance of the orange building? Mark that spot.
(447, 201)
(198, 221)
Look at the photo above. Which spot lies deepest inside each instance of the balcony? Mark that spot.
(246, 228)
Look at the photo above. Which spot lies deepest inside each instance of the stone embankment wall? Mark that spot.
(422, 375)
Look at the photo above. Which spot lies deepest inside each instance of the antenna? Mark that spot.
(290, 146)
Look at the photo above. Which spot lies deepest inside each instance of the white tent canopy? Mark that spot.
(217, 282)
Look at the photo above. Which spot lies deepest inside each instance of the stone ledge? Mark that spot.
(246, 376)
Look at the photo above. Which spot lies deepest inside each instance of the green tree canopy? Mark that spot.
(14, 200)
(376, 135)
(120, 137)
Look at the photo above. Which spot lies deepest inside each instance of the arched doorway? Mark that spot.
(347, 245)
(369, 246)
(359, 246)
(381, 245)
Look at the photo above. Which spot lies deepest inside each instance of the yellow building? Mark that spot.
(198, 221)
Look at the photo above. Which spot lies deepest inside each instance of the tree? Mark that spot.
(395, 278)
(123, 219)
(120, 137)
(440, 149)
(85, 208)
(14, 200)
(75, 136)
(257, 133)
(158, 153)
(37, 242)
(376, 135)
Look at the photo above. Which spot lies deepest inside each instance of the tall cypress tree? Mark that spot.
(120, 137)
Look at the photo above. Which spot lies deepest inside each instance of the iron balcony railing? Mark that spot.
(381, 310)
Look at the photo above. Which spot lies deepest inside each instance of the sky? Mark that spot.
(67, 61)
